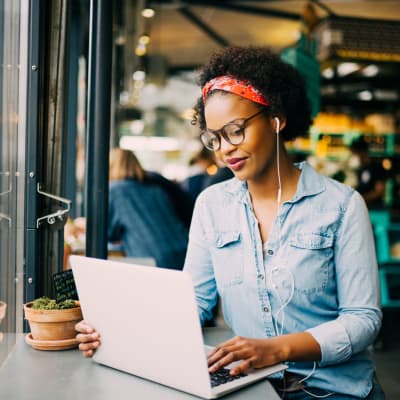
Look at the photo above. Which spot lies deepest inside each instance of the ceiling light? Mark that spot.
(144, 39)
(120, 40)
(148, 13)
(328, 73)
(365, 95)
(139, 75)
(150, 143)
(371, 70)
(347, 68)
(140, 50)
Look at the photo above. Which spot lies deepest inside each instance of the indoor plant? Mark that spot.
(52, 321)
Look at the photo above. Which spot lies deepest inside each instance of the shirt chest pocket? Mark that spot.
(227, 256)
(312, 256)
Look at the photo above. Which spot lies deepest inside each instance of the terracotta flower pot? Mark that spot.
(53, 324)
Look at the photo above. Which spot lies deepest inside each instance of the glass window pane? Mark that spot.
(11, 202)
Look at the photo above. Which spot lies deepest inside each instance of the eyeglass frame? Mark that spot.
(218, 133)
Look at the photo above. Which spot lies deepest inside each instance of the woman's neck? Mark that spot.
(265, 198)
(266, 188)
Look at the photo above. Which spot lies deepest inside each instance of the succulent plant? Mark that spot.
(45, 303)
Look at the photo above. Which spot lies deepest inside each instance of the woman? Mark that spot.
(142, 215)
(286, 249)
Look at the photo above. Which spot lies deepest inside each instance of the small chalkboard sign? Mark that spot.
(64, 286)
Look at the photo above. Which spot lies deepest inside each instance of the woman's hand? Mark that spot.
(258, 353)
(88, 338)
(254, 353)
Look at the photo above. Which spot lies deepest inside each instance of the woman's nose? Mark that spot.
(225, 146)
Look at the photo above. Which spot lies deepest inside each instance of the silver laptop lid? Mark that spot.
(148, 321)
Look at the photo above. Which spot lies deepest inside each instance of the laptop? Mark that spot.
(148, 321)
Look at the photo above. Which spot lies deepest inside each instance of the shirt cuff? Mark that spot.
(334, 342)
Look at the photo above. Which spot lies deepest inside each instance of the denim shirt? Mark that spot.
(142, 217)
(319, 273)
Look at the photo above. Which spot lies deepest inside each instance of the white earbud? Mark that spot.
(279, 195)
(278, 125)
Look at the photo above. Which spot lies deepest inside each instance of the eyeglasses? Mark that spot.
(232, 132)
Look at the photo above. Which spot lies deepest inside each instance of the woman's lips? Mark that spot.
(235, 163)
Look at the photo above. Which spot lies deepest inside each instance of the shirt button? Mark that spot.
(266, 309)
(270, 252)
(260, 276)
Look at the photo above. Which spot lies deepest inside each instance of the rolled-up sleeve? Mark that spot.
(359, 314)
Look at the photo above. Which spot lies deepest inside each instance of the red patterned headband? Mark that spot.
(236, 86)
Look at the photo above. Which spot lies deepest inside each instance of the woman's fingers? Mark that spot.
(83, 327)
(222, 359)
(242, 367)
(87, 345)
(236, 349)
(88, 338)
(88, 353)
(226, 354)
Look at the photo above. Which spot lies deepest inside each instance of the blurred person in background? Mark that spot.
(205, 172)
(371, 176)
(142, 215)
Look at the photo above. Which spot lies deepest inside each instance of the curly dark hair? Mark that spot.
(280, 83)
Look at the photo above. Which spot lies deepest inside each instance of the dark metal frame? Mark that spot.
(98, 127)
(32, 150)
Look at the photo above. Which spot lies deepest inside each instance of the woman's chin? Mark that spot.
(240, 175)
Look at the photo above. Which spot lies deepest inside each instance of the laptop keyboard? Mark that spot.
(222, 376)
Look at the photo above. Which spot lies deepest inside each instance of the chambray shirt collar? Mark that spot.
(310, 184)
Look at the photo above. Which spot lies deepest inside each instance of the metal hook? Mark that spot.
(51, 218)
(6, 217)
